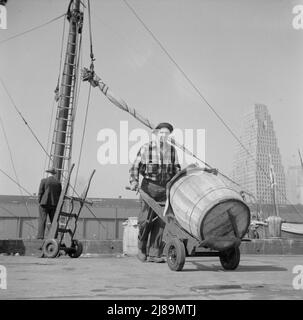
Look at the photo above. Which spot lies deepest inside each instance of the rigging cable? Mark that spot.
(26, 123)
(77, 83)
(203, 98)
(32, 29)
(89, 92)
(182, 72)
(49, 134)
(13, 165)
(57, 93)
(87, 207)
(132, 111)
(74, 190)
(61, 52)
(77, 91)
(20, 114)
(86, 114)
(90, 36)
(18, 184)
(35, 136)
(78, 87)
(83, 133)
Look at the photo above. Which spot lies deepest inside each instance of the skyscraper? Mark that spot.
(255, 170)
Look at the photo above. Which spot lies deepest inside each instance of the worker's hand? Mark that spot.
(211, 170)
(215, 171)
(134, 186)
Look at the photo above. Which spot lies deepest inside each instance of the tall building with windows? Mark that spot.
(254, 170)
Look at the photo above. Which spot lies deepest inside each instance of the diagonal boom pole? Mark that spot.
(95, 81)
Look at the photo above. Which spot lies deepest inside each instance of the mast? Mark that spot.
(301, 161)
(61, 149)
(273, 185)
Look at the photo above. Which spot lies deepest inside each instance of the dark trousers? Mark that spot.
(153, 230)
(44, 211)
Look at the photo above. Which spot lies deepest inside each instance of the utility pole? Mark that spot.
(61, 149)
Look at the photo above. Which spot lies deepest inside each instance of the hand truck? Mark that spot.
(62, 231)
(180, 244)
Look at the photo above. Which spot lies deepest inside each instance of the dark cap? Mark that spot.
(51, 170)
(165, 125)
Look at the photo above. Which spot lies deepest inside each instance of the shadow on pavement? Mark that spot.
(201, 267)
(260, 268)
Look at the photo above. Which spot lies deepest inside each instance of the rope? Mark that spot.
(183, 73)
(83, 133)
(201, 96)
(90, 35)
(86, 113)
(78, 91)
(13, 103)
(89, 93)
(49, 134)
(74, 190)
(61, 52)
(32, 29)
(12, 161)
(77, 85)
(9, 149)
(121, 104)
(18, 184)
(89, 209)
(57, 96)
(77, 95)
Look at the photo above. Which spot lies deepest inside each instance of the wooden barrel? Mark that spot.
(202, 203)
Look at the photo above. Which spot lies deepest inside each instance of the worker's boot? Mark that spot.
(156, 259)
(141, 255)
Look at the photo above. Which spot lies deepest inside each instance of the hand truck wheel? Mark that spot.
(50, 248)
(76, 249)
(175, 254)
(230, 258)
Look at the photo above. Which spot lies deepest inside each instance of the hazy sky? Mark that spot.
(237, 52)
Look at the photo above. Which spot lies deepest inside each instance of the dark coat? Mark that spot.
(49, 191)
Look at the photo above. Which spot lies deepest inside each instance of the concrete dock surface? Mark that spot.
(116, 277)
